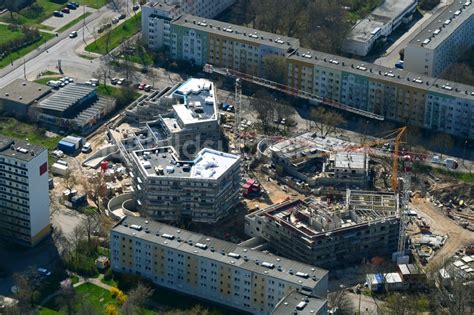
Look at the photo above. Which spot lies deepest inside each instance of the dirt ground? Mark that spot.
(457, 236)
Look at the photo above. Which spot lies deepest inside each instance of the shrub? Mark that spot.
(121, 298)
(111, 309)
(114, 291)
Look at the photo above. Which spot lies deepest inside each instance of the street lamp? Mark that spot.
(464, 152)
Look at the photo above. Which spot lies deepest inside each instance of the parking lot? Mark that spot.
(58, 22)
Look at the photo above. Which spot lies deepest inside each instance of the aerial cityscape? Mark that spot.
(211, 157)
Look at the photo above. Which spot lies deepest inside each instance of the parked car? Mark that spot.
(94, 81)
(71, 6)
(58, 14)
(44, 272)
(66, 10)
(86, 148)
(114, 81)
(121, 81)
(122, 16)
(73, 34)
(136, 7)
(115, 20)
(141, 86)
(147, 88)
(399, 64)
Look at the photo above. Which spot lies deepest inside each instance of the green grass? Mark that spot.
(22, 52)
(74, 279)
(117, 35)
(7, 35)
(73, 22)
(11, 127)
(111, 282)
(96, 4)
(46, 311)
(97, 296)
(112, 91)
(45, 80)
(34, 15)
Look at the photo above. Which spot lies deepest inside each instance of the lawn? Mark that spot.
(35, 15)
(22, 52)
(8, 35)
(11, 127)
(97, 296)
(112, 91)
(73, 22)
(45, 80)
(117, 35)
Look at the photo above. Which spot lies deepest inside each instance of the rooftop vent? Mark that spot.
(201, 246)
(268, 265)
(302, 275)
(301, 305)
(233, 255)
(136, 227)
(168, 236)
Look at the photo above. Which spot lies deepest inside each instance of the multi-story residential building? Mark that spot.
(212, 269)
(24, 194)
(443, 41)
(330, 235)
(192, 124)
(397, 95)
(378, 25)
(157, 15)
(205, 189)
(209, 41)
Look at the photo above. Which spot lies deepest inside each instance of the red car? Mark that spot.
(141, 86)
(66, 10)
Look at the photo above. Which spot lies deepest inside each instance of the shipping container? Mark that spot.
(59, 169)
(76, 140)
(67, 147)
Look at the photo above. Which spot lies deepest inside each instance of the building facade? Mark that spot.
(205, 189)
(209, 268)
(24, 194)
(442, 41)
(378, 25)
(400, 96)
(330, 236)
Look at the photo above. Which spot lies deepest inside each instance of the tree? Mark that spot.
(340, 302)
(97, 190)
(69, 179)
(326, 122)
(103, 71)
(14, 6)
(137, 299)
(85, 307)
(90, 224)
(275, 68)
(111, 309)
(262, 103)
(67, 298)
(24, 293)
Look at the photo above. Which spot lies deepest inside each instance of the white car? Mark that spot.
(94, 81)
(44, 272)
(58, 153)
(86, 147)
(73, 34)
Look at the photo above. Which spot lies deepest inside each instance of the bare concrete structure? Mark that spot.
(330, 234)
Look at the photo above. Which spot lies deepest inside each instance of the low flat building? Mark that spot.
(211, 269)
(18, 96)
(321, 160)
(75, 106)
(380, 23)
(333, 234)
(205, 189)
(24, 193)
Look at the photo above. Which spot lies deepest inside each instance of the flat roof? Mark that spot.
(307, 146)
(299, 302)
(381, 73)
(313, 218)
(385, 13)
(163, 161)
(19, 149)
(198, 101)
(350, 160)
(240, 33)
(452, 17)
(222, 251)
(24, 92)
(66, 97)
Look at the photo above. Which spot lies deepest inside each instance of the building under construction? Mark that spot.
(326, 234)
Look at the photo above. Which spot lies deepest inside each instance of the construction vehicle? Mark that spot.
(251, 189)
(208, 68)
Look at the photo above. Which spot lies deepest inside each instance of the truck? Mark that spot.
(450, 163)
(59, 169)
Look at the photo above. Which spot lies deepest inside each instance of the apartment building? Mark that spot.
(398, 95)
(157, 15)
(189, 119)
(209, 41)
(24, 194)
(379, 24)
(205, 189)
(443, 41)
(212, 269)
(330, 235)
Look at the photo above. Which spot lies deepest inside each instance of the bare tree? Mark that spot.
(262, 103)
(340, 302)
(326, 122)
(69, 179)
(90, 224)
(67, 299)
(137, 299)
(103, 71)
(97, 190)
(24, 293)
